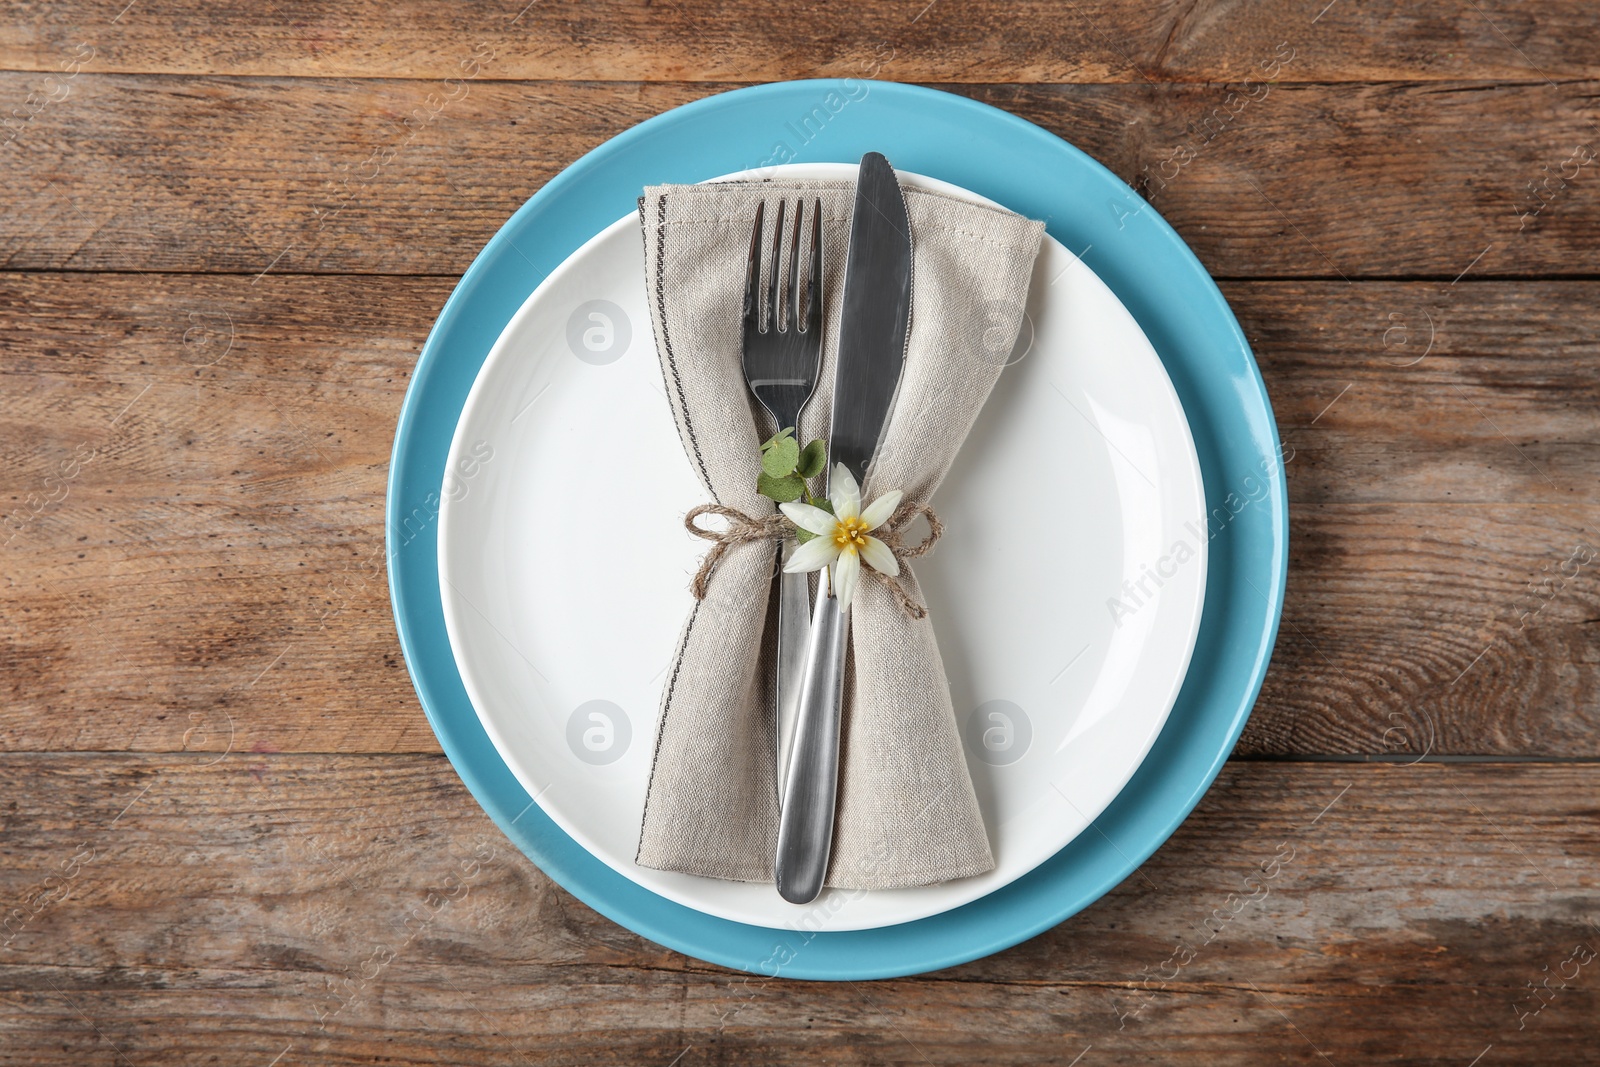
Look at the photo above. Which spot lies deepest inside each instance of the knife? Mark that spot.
(872, 346)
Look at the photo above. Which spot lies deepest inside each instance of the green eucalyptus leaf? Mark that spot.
(779, 460)
(782, 488)
(786, 432)
(812, 459)
(803, 535)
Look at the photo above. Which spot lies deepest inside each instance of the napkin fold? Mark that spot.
(906, 814)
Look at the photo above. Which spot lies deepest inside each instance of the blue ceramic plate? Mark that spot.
(1128, 245)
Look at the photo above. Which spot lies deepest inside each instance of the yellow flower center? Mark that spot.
(850, 534)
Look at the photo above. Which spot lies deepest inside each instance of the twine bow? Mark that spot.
(742, 529)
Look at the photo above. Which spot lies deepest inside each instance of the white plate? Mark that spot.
(1066, 632)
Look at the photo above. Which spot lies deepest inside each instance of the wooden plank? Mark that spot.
(915, 40)
(1476, 393)
(131, 172)
(197, 468)
(1450, 630)
(340, 910)
(203, 460)
(1465, 625)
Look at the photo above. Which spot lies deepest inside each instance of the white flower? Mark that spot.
(844, 538)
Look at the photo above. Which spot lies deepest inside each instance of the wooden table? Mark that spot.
(226, 830)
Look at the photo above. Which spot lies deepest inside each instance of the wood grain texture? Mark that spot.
(913, 40)
(217, 550)
(212, 573)
(363, 909)
(307, 175)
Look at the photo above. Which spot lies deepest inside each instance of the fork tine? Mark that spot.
(752, 278)
(773, 322)
(814, 296)
(791, 318)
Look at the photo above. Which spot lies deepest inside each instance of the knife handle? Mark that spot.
(805, 821)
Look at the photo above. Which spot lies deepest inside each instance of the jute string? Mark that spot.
(742, 529)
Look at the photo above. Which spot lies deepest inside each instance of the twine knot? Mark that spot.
(743, 529)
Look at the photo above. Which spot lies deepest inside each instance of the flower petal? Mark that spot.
(881, 509)
(844, 493)
(809, 518)
(814, 555)
(879, 557)
(846, 574)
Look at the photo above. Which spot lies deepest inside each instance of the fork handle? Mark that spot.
(794, 624)
(805, 821)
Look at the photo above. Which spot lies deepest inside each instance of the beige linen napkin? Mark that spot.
(907, 815)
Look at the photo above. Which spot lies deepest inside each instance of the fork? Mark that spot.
(781, 365)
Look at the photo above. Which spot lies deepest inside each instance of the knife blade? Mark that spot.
(874, 324)
(875, 319)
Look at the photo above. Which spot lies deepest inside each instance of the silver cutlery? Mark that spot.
(875, 320)
(782, 358)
